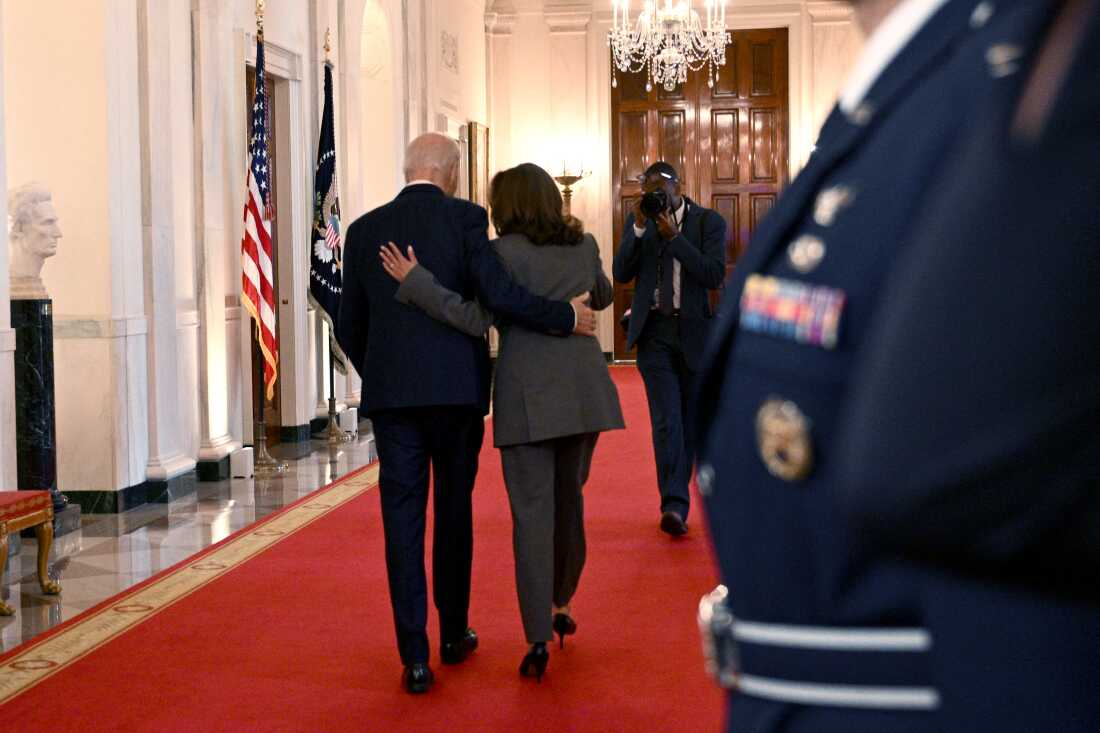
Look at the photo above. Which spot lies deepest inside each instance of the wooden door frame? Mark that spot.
(296, 387)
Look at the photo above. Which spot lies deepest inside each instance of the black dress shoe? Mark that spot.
(673, 524)
(535, 661)
(417, 678)
(563, 626)
(455, 652)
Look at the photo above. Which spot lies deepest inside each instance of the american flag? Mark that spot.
(257, 279)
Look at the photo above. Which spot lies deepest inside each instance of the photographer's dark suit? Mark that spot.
(670, 347)
(426, 389)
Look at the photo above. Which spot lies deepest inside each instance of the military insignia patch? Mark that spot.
(806, 253)
(830, 202)
(792, 310)
(783, 438)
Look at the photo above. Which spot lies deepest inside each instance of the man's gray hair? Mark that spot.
(21, 203)
(431, 151)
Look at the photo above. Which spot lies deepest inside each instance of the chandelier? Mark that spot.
(668, 40)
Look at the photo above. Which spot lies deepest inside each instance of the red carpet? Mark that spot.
(300, 637)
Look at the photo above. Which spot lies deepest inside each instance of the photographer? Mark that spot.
(675, 249)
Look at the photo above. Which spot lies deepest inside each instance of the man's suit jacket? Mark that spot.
(701, 250)
(405, 358)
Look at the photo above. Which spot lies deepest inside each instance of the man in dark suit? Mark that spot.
(426, 388)
(675, 256)
(972, 438)
(821, 629)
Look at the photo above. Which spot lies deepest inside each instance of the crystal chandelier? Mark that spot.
(668, 40)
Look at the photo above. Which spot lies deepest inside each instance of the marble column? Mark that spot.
(169, 470)
(215, 80)
(8, 473)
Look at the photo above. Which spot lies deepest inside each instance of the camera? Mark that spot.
(653, 203)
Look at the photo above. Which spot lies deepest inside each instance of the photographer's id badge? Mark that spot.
(792, 310)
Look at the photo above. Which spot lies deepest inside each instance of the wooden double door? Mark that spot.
(730, 143)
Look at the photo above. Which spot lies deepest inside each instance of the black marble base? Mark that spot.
(163, 492)
(110, 502)
(296, 433)
(213, 470)
(35, 424)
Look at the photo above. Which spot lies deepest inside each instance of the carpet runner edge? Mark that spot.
(40, 658)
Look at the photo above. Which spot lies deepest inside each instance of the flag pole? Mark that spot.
(334, 434)
(264, 465)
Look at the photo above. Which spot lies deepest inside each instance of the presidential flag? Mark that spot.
(326, 262)
(257, 280)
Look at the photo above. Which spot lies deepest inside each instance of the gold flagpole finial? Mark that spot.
(328, 43)
(260, 15)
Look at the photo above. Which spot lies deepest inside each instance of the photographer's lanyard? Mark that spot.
(671, 294)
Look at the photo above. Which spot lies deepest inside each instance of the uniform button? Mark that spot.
(830, 202)
(982, 14)
(1003, 59)
(783, 439)
(704, 477)
(806, 253)
(863, 114)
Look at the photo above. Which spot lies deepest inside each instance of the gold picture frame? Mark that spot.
(479, 163)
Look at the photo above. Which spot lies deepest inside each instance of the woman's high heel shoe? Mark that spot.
(535, 661)
(564, 625)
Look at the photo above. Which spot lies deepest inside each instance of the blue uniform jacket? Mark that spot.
(700, 248)
(407, 359)
(784, 545)
(972, 442)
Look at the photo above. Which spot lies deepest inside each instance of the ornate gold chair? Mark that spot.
(19, 510)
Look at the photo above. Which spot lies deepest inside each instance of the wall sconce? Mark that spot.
(568, 179)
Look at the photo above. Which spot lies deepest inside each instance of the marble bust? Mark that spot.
(33, 236)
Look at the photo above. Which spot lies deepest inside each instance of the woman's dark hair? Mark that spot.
(525, 200)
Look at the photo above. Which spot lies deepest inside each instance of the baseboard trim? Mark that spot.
(213, 470)
(296, 433)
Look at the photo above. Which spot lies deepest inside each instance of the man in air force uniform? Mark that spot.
(819, 631)
(972, 436)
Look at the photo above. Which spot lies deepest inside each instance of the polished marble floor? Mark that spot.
(111, 553)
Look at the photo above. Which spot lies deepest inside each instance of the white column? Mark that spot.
(7, 335)
(159, 120)
(498, 30)
(215, 80)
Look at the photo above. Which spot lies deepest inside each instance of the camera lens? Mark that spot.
(653, 203)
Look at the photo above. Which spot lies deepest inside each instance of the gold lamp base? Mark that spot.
(567, 181)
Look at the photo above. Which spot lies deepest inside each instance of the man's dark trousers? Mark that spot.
(448, 439)
(669, 385)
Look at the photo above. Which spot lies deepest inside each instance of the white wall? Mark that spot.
(88, 153)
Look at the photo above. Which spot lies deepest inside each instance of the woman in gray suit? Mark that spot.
(552, 396)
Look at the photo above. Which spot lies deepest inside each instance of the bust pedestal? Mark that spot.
(35, 422)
